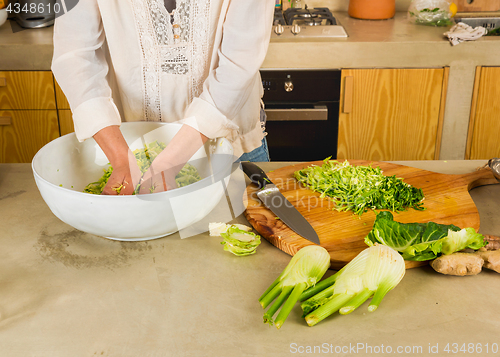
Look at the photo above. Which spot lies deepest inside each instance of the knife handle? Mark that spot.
(255, 174)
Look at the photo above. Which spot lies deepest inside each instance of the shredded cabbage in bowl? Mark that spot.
(145, 156)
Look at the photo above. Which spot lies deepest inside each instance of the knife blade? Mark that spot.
(274, 200)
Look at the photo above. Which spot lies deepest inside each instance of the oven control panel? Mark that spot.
(301, 85)
(268, 84)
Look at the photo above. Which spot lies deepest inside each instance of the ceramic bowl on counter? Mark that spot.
(63, 168)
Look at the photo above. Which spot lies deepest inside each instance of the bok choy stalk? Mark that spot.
(373, 272)
(305, 269)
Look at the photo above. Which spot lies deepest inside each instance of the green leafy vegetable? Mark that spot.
(493, 32)
(421, 241)
(305, 268)
(436, 16)
(359, 188)
(465, 238)
(187, 176)
(145, 157)
(240, 242)
(97, 186)
(373, 272)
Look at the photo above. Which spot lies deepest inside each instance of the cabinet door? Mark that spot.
(66, 121)
(484, 126)
(27, 90)
(391, 114)
(62, 102)
(24, 132)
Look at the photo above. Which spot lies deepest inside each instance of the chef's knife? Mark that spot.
(274, 200)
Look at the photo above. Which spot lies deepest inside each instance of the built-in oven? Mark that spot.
(302, 108)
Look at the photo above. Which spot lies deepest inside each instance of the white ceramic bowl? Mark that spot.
(3, 15)
(63, 167)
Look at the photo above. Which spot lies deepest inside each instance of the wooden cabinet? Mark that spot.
(27, 90)
(65, 121)
(28, 114)
(391, 114)
(33, 112)
(484, 125)
(64, 112)
(24, 132)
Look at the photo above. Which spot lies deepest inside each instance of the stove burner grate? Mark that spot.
(279, 19)
(313, 17)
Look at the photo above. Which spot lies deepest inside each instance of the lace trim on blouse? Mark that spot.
(177, 45)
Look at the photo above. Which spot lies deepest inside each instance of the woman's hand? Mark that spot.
(126, 174)
(158, 182)
(123, 179)
(161, 174)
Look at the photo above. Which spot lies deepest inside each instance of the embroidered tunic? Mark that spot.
(130, 60)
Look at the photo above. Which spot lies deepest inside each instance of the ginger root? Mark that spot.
(459, 264)
(493, 242)
(491, 259)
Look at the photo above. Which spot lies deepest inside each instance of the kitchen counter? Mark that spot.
(68, 293)
(371, 43)
(27, 50)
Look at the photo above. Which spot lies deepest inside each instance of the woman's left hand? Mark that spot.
(157, 182)
(161, 174)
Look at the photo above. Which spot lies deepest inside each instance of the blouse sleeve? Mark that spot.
(80, 68)
(245, 40)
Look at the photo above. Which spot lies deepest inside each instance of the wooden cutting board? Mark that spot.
(447, 201)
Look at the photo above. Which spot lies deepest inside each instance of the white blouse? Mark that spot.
(130, 60)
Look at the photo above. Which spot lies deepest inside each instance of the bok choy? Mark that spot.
(306, 268)
(373, 272)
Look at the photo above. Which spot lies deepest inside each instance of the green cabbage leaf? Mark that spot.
(422, 241)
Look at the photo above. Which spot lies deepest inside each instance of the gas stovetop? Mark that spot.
(318, 22)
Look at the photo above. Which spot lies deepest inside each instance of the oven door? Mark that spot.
(302, 131)
(302, 109)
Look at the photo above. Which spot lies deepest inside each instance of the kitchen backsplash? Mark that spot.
(342, 5)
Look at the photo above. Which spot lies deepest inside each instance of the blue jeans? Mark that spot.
(261, 154)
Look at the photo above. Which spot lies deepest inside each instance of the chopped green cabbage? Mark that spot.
(145, 157)
(360, 188)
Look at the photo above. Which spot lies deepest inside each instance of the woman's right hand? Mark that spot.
(123, 180)
(126, 174)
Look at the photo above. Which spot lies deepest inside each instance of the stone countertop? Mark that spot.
(371, 43)
(69, 293)
(27, 50)
(393, 43)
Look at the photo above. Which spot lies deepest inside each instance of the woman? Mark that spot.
(195, 64)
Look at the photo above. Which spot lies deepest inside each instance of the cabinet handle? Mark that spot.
(348, 88)
(3, 82)
(5, 120)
